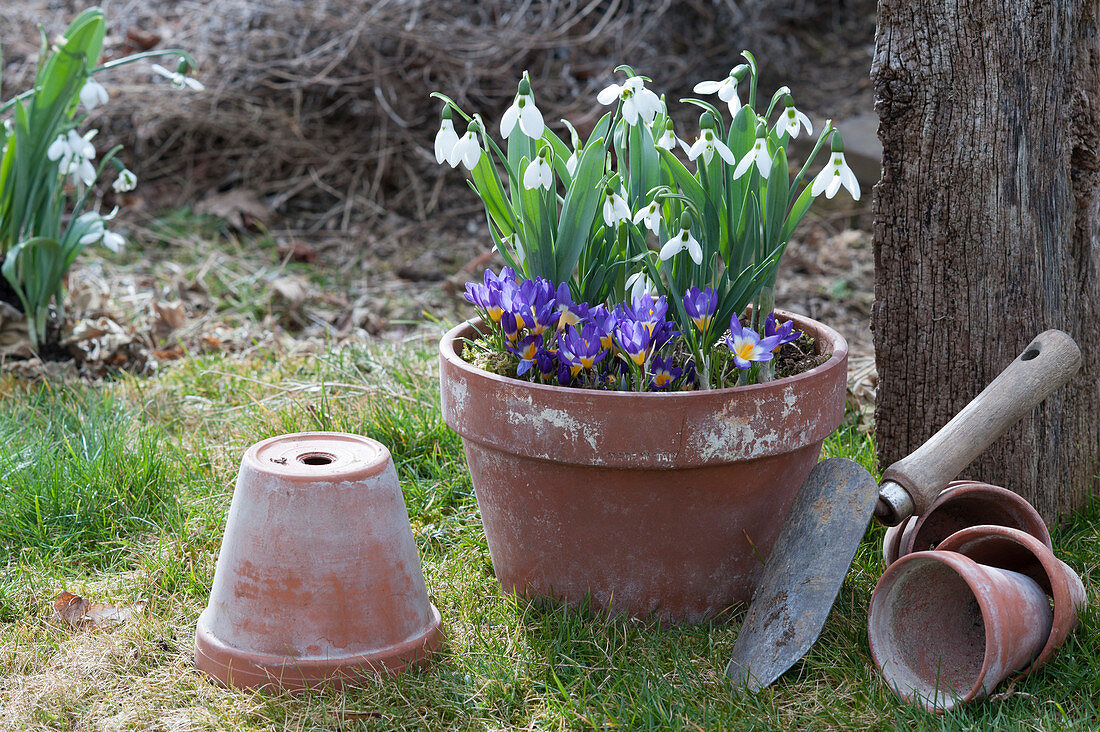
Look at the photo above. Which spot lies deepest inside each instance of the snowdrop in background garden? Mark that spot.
(623, 265)
(48, 168)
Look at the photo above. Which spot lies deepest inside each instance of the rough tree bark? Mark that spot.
(987, 226)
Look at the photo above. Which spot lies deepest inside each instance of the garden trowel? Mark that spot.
(829, 514)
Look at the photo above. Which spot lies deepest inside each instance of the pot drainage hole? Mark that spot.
(316, 458)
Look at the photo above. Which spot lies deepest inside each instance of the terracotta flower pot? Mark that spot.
(318, 578)
(963, 503)
(1019, 551)
(944, 629)
(652, 504)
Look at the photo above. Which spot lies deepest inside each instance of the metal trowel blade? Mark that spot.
(804, 572)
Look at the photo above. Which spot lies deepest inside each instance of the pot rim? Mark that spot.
(832, 338)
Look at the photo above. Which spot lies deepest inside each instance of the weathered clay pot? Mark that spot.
(944, 629)
(1019, 551)
(963, 503)
(318, 579)
(654, 504)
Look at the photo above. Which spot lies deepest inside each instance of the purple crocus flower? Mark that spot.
(663, 372)
(747, 345)
(581, 350)
(547, 362)
(527, 349)
(646, 310)
(486, 298)
(510, 324)
(664, 332)
(634, 339)
(700, 306)
(605, 321)
(786, 332)
(571, 312)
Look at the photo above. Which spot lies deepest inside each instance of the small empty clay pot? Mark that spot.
(963, 503)
(944, 629)
(1008, 548)
(318, 578)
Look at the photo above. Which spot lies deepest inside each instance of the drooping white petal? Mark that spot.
(59, 148)
(724, 152)
(639, 285)
(571, 165)
(763, 162)
(92, 94)
(630, 111)
(508, 121)
(615, 210)
(707, 87)
(820, 181)
(193, 83)
(113, 241)
(728, 90)
(671, 248)
(445, 140)
(834, 184)
(697, 149)
(694, 249)
(538, 175)
(651, 216)
(609, 94)
(530, 119)
(848, 179)
(85, 171)
(745, 163)
(647, 103)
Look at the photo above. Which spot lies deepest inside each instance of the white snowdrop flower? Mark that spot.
(523, 111)
(178, 80)
(759, 155)
(726, 89)
(467, 150)
(114, 242)
(95, 229)
(74, 154)
(538, 174)
(639, 284)
(835, 174)
(681, 241)
(650, 215)
(615, 210)
(92, 94)
(126, 181)
(791, 121)
(638, 102)
(669, 140)
(446, 138)
(706, 146)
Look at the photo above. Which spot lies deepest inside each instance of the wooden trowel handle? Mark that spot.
(1046, 364)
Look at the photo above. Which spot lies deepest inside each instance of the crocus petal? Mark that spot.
(609, 94)
(530, 120)
(508, 121)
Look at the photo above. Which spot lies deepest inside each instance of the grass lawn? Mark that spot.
(118, 492)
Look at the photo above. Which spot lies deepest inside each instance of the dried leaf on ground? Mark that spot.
(14, 341)
(168, 317)
(241, 207)
(77, 612)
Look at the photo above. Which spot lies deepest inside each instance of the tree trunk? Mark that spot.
(987, 227)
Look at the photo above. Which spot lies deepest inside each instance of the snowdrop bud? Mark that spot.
(837, 142)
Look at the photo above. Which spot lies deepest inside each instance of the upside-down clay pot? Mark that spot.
(318, 579)
(963, 503)
(1008, 548)
(944, 629)
(657, 505)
